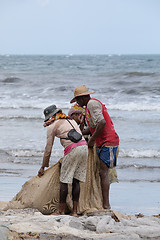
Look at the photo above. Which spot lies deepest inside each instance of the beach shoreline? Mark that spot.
(128, 197)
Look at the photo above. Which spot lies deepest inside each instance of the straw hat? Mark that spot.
(80, 91)
(50, 111)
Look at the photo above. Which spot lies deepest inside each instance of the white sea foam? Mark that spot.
(58, 152)
(30, 104)
(32, 153)
(134, 153)
(21, 117)
(132, 106)
(41, 104)
(25, 153)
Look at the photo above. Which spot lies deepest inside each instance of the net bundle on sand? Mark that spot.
(42, 193)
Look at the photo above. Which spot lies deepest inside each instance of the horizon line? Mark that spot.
(76, 54)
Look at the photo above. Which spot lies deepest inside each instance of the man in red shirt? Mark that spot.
(103, 135)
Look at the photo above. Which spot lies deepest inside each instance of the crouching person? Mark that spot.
(74, 163)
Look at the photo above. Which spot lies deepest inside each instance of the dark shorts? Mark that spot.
(108, 155)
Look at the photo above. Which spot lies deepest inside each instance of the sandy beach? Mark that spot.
(106, 224)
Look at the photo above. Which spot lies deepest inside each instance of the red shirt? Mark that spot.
(108, 135)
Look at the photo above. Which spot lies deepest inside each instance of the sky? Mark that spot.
(79, 26)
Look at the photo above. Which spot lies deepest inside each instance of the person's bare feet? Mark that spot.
(107, 207)
(58, 213)
(55, 213)
(74, 214)
(61, 213)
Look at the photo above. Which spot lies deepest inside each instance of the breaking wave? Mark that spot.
(133, 153)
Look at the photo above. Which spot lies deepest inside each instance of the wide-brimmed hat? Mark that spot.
(80, 91)
(50, 111)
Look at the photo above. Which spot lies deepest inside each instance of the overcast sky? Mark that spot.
(79, 26)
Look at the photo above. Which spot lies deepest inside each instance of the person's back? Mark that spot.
(60, 129)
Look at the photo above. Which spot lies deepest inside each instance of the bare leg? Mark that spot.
(63, 196)
(105, 184)
(75, 195)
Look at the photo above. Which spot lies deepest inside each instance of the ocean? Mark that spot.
(129, 86)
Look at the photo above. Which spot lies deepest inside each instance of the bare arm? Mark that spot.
(100, 126)
(47, 153)
(86, 131)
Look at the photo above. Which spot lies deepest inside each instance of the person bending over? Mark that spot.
(74, 163)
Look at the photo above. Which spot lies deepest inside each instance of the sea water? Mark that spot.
(129, 86)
